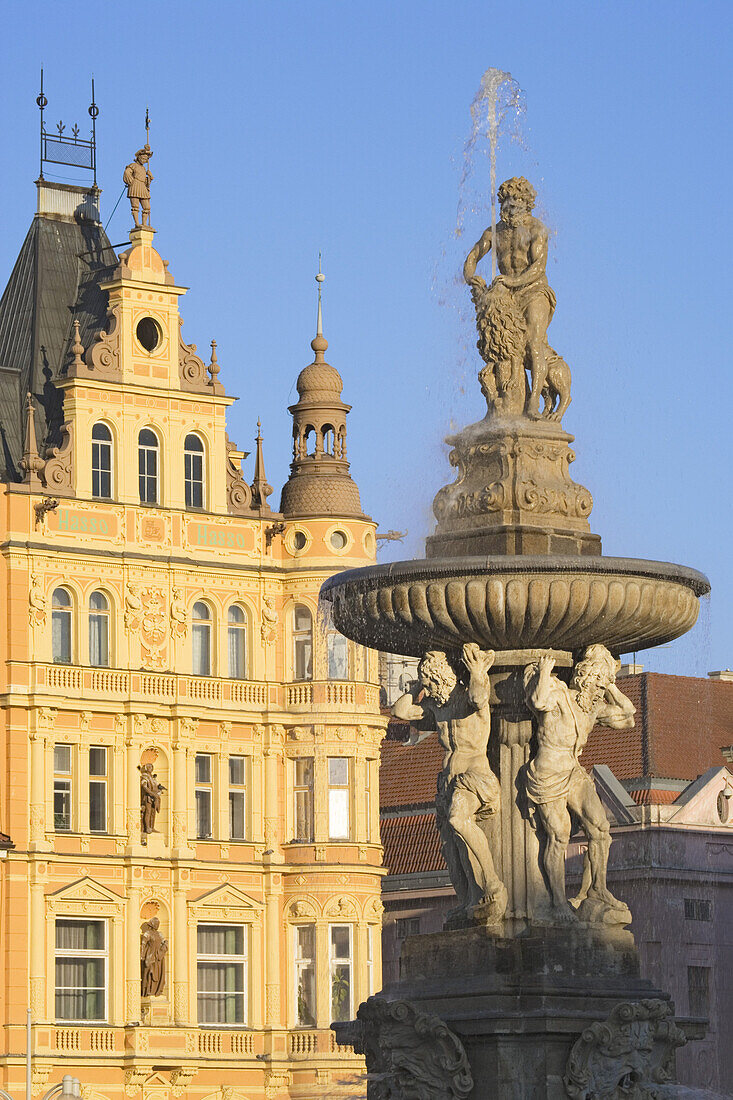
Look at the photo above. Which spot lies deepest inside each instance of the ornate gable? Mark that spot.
(85, 896)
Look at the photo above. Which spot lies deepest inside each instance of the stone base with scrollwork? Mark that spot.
(513, 494)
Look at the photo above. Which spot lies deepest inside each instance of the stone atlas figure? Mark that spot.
(468, 790)
(137, 177)
(153, 949)
(556, 783)
(512, 314)
(150, 792)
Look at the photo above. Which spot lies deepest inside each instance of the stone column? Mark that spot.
(37, 962)
(273, 905)
(180, 955)
(180, 802)
(514, 841)
(132, 795)
(132, 957)
(37, 836)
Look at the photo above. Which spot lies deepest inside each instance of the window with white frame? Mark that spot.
(148, 452)
(98, 779)
(62, 777)
(302, 643)
(99, 630)
(237, 797)
(337, 649)
(193, 463)
(304, 936)
(81, 969)
(204, 794)
(201, 639)
(303, 798)
(101, 462)
(61, 607)
(368, 801)
(237, 642)
(340, 936)
(338, 798)
(222, 974)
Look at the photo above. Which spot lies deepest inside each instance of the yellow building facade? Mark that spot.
(166, 668)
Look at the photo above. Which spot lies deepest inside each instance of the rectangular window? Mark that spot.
(305, 975)
(368, 801)
(698, 909)
(101, 469)
(698, 990)
(204, 793)
(338, 798)
(338, 656)
(303, 798)
(81, 969)
(237, 780)
(340, 972)
(62, 788)
(407, 926)
(148, 474)
(222, 974)
(97, 789)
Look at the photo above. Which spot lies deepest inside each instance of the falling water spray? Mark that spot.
(496, 110)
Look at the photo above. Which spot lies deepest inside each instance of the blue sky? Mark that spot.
(282, 127)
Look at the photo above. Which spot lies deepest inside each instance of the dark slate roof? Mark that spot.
(54, 281)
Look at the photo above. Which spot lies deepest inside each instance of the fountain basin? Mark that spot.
(516, 602)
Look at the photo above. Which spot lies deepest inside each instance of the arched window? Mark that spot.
(148, 449)
(201, 632)
(101, 462)
(193, 461)
(61, 626)
(337, 648)
(302, 643)
(98, 630)
(237, 642)
(328, 439)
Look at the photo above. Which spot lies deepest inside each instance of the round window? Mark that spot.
(299, 540)
(724, 806)
(338, 540)
(148, 333)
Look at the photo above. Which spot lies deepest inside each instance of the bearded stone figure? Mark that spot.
(512, 315)
(556, 784)
(468, 791)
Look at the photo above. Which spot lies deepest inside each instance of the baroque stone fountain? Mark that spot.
(518, 620)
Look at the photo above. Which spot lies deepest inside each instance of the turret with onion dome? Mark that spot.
(319, 482)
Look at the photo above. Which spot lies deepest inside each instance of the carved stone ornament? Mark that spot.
(629, 1056)
(178, 615)
(239, 494)
(191, 369)
(103, 357)
(270, 619)
(36, 603)
(408, 1053)
(56, 473)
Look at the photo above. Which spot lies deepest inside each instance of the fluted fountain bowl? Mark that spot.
(516, 603)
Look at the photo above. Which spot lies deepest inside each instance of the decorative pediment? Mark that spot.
(343, 908)
(303, 908)
(226, 902)
(707, 801)
(85, 896)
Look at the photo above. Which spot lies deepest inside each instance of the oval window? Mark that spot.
(299, 540)
(338, 540)
(148, 333)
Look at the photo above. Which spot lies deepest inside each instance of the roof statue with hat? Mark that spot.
(137, 177)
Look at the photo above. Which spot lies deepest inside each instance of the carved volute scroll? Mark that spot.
(630, 1054)
(239, 494)
(408, 1052)
(103, 357)
(57, 470)
(191, 369)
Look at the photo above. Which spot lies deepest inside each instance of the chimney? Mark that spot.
(630, 670)
(724, 674)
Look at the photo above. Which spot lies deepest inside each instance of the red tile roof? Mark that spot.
(411, 844)
(654, 797)
(409, 772)
(681, 724)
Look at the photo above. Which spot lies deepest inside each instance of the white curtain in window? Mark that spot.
(201, 637)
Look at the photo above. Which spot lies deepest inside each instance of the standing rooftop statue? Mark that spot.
(138, 177)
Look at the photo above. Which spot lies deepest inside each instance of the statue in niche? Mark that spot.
(512, 315)
(556, 785)
(150, 792)
(137, 177)
(468, 790)
(153, 949)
